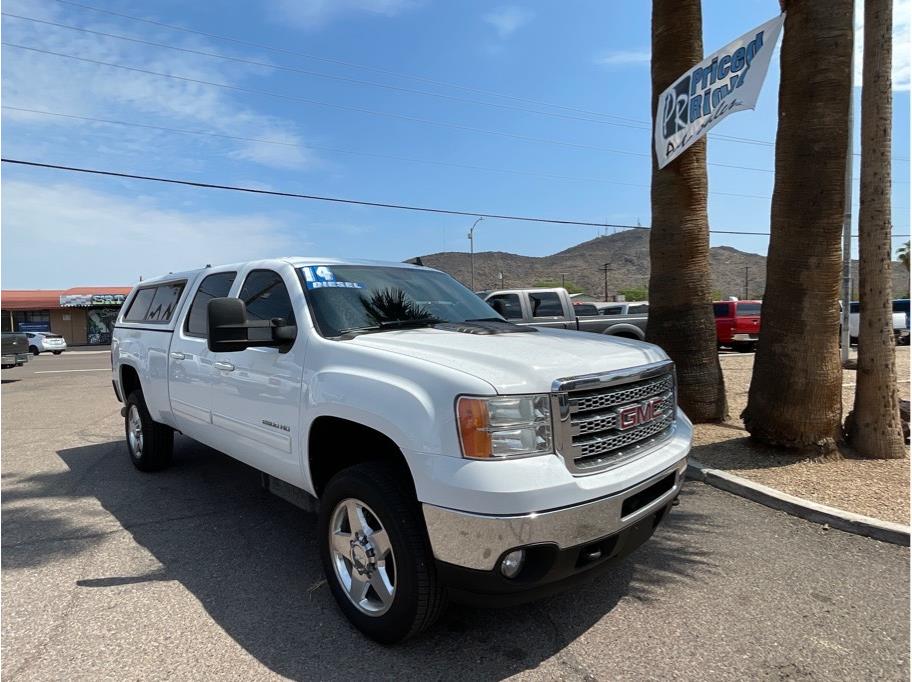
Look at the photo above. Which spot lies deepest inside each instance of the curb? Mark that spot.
(849, 522)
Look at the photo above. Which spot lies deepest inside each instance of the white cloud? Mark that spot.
(623, 58)
(87, 237)
(316, 13)
(45, 82)
(507, 20)
(902, 49)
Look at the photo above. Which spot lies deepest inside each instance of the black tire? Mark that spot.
(418, 598)
(34, 350)
(744, 346)
(57, 352)
(157, 440)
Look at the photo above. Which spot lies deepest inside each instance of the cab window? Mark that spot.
(214, 286)
(507, 305)
(546, 304)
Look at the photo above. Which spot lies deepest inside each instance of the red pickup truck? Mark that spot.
(737, 324)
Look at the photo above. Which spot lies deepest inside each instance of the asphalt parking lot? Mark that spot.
(196, 573)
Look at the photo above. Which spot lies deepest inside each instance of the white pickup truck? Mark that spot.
(449, 453)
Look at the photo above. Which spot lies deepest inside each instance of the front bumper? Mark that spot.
(478, 542)
(745, 337)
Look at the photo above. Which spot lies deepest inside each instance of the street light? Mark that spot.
(472, 248)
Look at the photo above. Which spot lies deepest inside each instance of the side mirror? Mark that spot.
(230, 330)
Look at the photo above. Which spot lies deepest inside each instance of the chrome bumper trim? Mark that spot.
(478, 541)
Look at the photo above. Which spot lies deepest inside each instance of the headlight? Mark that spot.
(504, 426)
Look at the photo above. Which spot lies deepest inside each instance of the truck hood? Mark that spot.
(517, 363)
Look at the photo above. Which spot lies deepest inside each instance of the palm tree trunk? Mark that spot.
(795, 397)
(680, 310)
(873, 427)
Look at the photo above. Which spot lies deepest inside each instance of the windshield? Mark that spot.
(354, 298)
(747, 309)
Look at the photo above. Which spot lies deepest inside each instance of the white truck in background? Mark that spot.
(449, 453)
(553, 307)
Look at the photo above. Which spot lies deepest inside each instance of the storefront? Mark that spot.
(82, 315)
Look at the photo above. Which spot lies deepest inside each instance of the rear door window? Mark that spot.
(546, 304)
(613, 310)
(508, 305)
(637, 309)
(585, 309)
(214, 286)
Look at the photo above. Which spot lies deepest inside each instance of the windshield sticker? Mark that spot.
(321, 277)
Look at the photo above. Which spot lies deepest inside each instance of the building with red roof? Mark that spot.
(82, 315)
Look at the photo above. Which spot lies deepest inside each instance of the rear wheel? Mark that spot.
(57, 352)
(744, 346)
(150, 444)
(375, 554)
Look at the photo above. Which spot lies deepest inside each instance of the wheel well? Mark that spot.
(335, 444)
(626, 335)
(129, 380)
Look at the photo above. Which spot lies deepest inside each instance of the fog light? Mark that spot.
(512, 563)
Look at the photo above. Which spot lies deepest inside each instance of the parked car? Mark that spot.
(900, 320)
(45, 342)
(15, 350)
(554, 308)
(737, 324)
(449, 453)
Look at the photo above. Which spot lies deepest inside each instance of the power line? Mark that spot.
(343, 107)
(397, 74)
(317, 74)
(389, 72)
(205, 133)
(339, 200)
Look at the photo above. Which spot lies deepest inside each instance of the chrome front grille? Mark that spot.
(602, 420)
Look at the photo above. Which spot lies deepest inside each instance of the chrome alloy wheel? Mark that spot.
(362, 557)
(135, 431)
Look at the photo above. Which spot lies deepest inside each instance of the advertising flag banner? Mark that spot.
(726, 81)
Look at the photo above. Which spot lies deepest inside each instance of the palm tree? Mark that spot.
(903, 254)
(680, 311)
(873, 427)
(795, 397)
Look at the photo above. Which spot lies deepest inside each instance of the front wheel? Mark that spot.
(376, 555)
(150, 444)
(34, 350)
(57, 352)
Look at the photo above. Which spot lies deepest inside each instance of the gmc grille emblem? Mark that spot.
(638, 413)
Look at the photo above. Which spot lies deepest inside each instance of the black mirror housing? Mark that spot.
(230, 330)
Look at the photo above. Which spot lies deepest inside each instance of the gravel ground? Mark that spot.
(878, 488)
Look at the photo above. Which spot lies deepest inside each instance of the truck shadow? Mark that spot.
(252, 562)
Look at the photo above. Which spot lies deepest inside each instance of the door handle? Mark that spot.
(177, 356)
(224, 366)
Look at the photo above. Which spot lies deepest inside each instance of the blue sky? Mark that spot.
(61, 229)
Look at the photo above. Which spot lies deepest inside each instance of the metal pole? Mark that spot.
(605, 269)
(847, 216)
(472, 248)
(746, 288)
(563, 274)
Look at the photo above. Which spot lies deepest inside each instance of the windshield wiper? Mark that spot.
(391, 324)
(409, 322)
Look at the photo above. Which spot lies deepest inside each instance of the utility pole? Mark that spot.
(563, 282)
(472, 248)
(847, 216)
(604, 269)
(746, 289)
